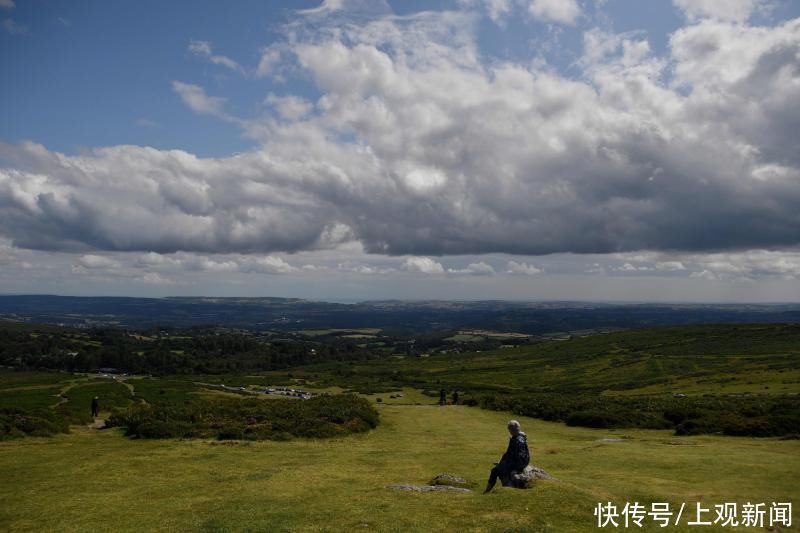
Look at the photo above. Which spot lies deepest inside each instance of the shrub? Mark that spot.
(16, 423)
(250, 418)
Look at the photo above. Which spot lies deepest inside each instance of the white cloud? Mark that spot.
(727, 10)
(270, 59)
(289, 107)
(523, 268)
(326, 6)
(703, 274)
(205, 50)
(417, 147)
(627, 267)
(595, 268)
(7, 4)
(268, 265)
(496, 9)
(154, 278)
(670, 266)
(360, 268)
(424, 265)
(196, 98)
(564, 11)
(473, 269)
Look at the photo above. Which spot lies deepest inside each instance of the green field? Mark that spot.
(94, 479)
(762, 359)
(98, 480)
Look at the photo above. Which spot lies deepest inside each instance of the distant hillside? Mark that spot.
(403, 317)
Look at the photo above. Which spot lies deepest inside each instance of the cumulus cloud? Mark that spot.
(268, 265)
(183, 262)
(473, 269)
(418, 147)
(97, 261)
(560, 11)
(750, 264)
(423, 265)
(270, 59)
(564, 11)
(727, 10)
(289, 107)
(522, 268)
(154, 278)
(360, 268)
(204, 49)
(496, 9)
(196, 98)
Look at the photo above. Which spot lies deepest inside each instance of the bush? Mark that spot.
(251, 419)
(594, 419)
(16, 423)
(754, 416)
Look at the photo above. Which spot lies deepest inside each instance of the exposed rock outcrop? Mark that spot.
(524, 479)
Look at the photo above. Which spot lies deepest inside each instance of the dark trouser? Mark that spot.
(501, 469)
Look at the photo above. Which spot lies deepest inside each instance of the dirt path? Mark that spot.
(62, 398)
(133, 391)
(99, 423)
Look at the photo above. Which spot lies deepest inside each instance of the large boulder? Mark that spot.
(524, 479)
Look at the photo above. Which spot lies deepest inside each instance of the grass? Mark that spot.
(32, 398)
(111, 395)
(99, 480)
(155, 389)
(689, 359)
(25, 379)
(349, 332)
(463, 337)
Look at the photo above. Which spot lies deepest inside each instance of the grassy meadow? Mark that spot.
(99, 480)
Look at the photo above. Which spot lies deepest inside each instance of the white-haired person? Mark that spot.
(515, 459)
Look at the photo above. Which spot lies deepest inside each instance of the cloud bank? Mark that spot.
(418, 145)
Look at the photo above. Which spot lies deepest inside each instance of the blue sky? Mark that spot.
(462, 148)
(89, 73)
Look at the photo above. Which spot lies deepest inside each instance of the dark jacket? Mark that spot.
(517, 455)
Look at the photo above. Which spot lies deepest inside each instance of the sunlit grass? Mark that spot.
(99, 480)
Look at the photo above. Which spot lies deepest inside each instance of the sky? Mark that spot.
(613, 150)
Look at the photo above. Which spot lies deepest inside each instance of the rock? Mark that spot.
(526, 478)
(427, 488)
(449, 480)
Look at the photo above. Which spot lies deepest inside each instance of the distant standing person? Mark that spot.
(442, 397)
(455, 398)
(95, 407)
(516, 457)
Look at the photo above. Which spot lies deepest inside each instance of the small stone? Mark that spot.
(427, 488)
(450, 480)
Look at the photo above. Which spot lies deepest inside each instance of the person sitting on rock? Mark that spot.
(515, 459)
